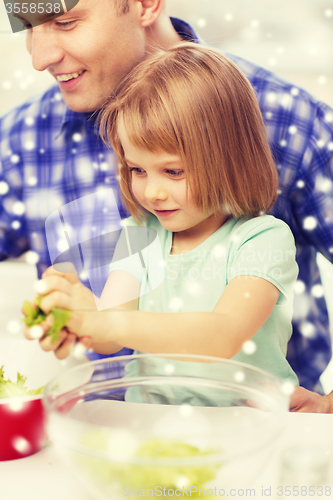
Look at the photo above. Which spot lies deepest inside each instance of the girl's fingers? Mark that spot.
(69, 276)
(47, 344)
(56, 299)
(65, 349)
(47, 285)
(37, 331)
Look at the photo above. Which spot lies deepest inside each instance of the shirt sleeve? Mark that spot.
(312, 192)
(264, 247)
(13, 227)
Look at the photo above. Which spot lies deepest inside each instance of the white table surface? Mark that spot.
(43, 476)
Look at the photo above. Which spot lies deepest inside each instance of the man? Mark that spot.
(51, 153)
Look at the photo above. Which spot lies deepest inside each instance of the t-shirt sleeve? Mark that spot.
(264, 247)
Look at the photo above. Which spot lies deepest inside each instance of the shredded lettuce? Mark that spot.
(108, 474)
(9, 389)
(35, 316)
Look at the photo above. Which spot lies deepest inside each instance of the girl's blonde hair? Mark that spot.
(194, 102)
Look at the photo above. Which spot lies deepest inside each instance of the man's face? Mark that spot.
(88, 50)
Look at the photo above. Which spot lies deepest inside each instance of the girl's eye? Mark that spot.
(137, 170)
(176, 173)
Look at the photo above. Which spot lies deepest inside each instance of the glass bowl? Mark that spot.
(167, 425)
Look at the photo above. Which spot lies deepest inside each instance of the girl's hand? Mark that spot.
(63, 290)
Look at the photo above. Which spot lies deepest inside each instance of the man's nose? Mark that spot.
(44, 48)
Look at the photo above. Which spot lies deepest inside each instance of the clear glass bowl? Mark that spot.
(148, 422)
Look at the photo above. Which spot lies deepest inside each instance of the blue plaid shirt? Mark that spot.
(51, 156)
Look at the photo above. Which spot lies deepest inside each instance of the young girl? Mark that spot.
(195, 166)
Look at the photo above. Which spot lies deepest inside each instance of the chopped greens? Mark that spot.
(109, 474)
(35, 316)
(9, 389)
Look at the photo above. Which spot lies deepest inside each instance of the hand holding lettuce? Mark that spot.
(35, 316)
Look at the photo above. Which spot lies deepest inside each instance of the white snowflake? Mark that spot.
(329, 117)
(229, 17)
(169, 369)
(255, 23)
(29, 121)
(249, 347)
(175, 303)
(287, 387)
(300, 184)
(201, 22)
(32, 181)
(16, 224)
(310, 223)
(185, 410)
(15, 158)
(271, 97)
(324, 184)
(14, 326)
(29, 145)
(299, 287)
(31, 257)
(292, 130)
(239, 376)
(4, 188)
(21, 444)
(317, 291)
(294, 91)
(307, 329)
(322, 80)
(7, 85)
(62, 245)
(77, 137)
(104, 166)
(18, 208)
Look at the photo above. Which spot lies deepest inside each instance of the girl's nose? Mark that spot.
(155, 192)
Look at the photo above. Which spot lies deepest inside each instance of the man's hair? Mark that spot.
(194, 102)
(122, 6)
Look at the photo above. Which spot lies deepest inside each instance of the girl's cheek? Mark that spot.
(137, 190)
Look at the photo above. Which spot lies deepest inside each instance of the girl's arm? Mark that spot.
(121, 291)
(242, 309)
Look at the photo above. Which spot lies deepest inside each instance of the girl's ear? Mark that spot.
(150, 11)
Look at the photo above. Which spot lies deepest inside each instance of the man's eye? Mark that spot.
(65, 24)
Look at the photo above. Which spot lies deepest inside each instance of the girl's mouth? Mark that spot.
(165, 213)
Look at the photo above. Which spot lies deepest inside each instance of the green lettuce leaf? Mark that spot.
(9, 389)
(35, 316)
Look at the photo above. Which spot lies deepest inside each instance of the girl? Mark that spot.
(196, 167)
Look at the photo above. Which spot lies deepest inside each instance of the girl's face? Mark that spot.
(159, 185)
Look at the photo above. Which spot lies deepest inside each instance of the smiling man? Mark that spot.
(51, 153)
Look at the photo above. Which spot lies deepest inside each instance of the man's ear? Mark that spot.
(150, 11)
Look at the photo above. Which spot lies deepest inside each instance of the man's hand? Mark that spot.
(306, 401)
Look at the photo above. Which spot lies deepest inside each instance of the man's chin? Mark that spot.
(79, 104)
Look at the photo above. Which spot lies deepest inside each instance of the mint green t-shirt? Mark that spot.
(194, 281)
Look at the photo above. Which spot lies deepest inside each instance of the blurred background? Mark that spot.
(291, 37)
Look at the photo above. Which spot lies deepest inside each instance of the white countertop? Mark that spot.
(44, 476)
